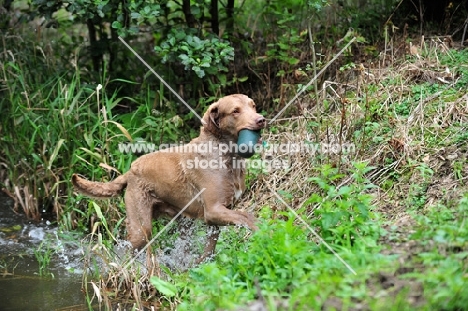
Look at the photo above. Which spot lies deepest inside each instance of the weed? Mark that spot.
(344, 213)
(443, 231)
(6, 267)
(279, 263)
(417, 192)
(43, 256)
(457, 167)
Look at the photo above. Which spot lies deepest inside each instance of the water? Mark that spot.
(186, 242)
(175, 248)
(21, 286)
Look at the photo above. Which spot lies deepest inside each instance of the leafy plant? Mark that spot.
(208, 56)
(277, 263)
(164, 287)
(344, 213)
(444, 232)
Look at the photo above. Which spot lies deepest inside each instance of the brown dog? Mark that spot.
(163, 182)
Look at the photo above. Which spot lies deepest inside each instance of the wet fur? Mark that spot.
(161, 183)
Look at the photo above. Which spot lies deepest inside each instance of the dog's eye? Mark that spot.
(237, 110)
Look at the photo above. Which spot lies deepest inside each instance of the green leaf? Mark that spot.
(284, 46)
(180, 35)
(135, 15)
(286, 194)
(172, 41)
(116, 25)
(99, 212)
(330, 219)
(195, 10)
(185, 48)
(100, 215)
(164, 287)
(55, 153)
(183, 57)
(151, 122)
(345, 190)
(222, 79)
(293, 61)
(200, 72)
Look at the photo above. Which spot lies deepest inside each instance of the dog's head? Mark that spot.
(231, 114)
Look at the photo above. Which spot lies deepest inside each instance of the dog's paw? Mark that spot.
(249, 221)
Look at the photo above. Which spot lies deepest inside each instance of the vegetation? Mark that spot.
(376, 226)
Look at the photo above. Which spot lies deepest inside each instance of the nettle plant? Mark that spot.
(344, 212)
(208, 56)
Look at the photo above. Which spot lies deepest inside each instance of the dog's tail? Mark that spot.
(100, 189)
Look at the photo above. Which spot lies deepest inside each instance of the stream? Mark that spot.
(21, 285)
(59, 287)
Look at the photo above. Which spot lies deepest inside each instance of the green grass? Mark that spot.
(282, 266)
(280, 262)
(58, 125)
(443, 233)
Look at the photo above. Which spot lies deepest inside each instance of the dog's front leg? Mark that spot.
(216, 212)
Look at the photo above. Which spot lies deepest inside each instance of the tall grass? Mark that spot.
(51, 121)
(58, 119)
(54, 124)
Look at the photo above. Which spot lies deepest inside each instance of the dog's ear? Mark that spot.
(211, 119)
(214, 116)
